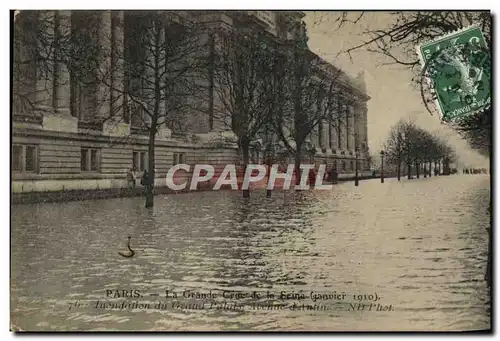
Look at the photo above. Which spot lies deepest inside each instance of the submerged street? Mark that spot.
(419, 246)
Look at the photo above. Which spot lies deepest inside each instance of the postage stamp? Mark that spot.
(458, 69)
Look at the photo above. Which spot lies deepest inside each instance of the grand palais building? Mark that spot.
(61, 141)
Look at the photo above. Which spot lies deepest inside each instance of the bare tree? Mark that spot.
(25, 60)
(413, 145)
(315, 97)
(42, 47)
(394, 145)
(156, 78)
(248, 84)
(400, 145)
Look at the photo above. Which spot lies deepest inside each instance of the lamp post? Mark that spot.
(382, 166)
(269, 155)
(356, 179)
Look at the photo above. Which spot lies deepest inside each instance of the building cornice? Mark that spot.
(112, 141)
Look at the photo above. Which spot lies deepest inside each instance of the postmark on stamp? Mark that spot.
(457, 68)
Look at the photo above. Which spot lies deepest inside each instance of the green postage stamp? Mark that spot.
(458, 68)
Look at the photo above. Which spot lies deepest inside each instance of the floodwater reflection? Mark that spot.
(420, 245)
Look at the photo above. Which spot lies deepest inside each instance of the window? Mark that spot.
(143, 163)
(94, 160)
(90, 160)
(17, 158)
(352, 165)
(30, 165)
(135, 160)
(25, 158)
(83, 159)
(179, 158)
(344, 165)
(139, 160)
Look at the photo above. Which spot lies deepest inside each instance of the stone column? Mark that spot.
(345, 129)
(45, 76)
(118, 76)
(117, 125)
(350, 137)
(315, 138)
(364, 123)
(354, 129)
(357, 124)
(361, 123)
(54, 90)
(340, 131)
(62, 78)
(334, 136)
(104, 88)
(326, 139)
(24, 72)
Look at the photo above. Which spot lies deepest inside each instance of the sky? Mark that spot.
(393, 96)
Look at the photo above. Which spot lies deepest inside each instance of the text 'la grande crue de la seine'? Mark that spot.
(189, 300)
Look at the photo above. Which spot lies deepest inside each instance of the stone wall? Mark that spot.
(59, 160)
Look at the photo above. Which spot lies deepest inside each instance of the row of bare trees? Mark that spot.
(158, 68)
(277, 91)
(411, 146)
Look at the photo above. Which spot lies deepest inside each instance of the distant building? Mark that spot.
(61, 142)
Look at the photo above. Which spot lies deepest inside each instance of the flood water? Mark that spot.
(418, 246)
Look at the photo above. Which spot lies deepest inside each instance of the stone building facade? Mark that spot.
(61, 141)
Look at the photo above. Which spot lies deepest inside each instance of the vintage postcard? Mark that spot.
(215, 170)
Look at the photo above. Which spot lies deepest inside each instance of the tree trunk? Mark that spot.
(425, 170)
(151, 171)
(399, 170)
(152, 131)
(417, 167)
(245, 147)
(297, 168)
(409, 169)
(430, 169)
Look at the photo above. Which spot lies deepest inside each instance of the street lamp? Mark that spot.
(356, 179)
(382, 166)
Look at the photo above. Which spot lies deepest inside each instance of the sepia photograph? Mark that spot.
(251, 170)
